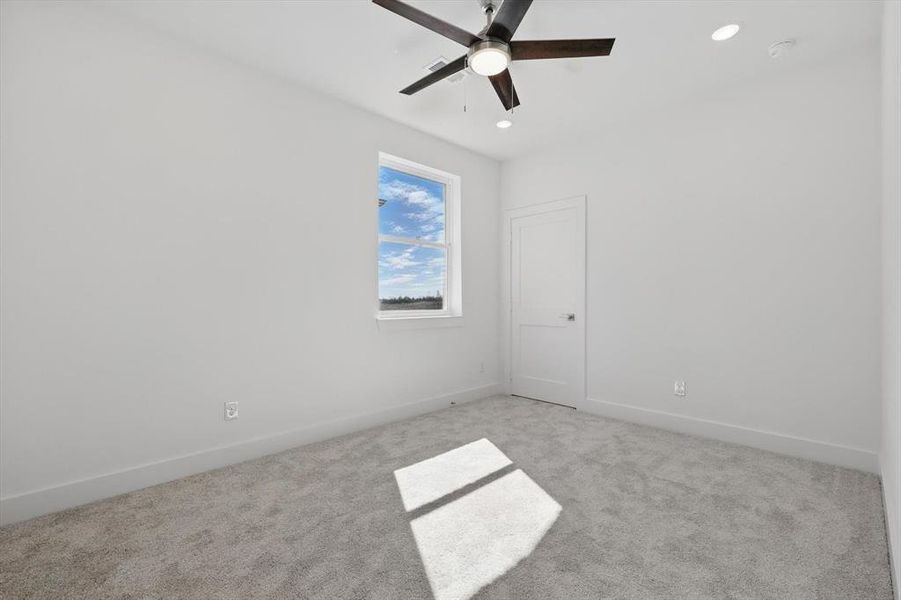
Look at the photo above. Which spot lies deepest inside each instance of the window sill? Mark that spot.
(406, 323)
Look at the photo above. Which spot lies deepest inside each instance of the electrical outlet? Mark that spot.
(679, 387)
(231, 411)
(481, 367)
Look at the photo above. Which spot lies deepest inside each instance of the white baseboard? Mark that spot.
(843, 456)
(44, 501)
(892, 530)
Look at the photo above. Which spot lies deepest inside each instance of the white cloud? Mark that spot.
(399, 261)
(412, 195)
(398, 279)
(426, 208)
(421, 216)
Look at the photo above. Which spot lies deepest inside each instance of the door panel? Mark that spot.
(547, 301)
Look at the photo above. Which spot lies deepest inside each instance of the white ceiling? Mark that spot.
(364, 54)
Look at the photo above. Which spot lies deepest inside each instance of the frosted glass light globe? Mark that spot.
(489, 58)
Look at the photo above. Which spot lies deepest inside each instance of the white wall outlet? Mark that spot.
(231, 411)
(481, 367)
(679, 387)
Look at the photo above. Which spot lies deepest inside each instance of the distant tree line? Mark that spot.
(409, 300)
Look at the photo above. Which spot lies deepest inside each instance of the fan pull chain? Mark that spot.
(464, 93)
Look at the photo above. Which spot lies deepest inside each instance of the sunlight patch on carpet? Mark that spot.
(471, 541)
(436, 477)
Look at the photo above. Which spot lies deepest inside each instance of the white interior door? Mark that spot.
(547, 301)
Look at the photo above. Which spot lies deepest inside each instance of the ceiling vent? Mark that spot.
(440, 62)
(778, 50)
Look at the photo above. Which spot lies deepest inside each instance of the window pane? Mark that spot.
(411, 277)
(410, 206)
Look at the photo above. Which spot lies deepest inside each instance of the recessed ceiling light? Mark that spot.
(725, 32)
(504, 124)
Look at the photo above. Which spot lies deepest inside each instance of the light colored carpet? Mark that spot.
(523, 500)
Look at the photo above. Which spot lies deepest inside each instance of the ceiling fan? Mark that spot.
(492, 49)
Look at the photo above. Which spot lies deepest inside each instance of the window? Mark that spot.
(419, 274)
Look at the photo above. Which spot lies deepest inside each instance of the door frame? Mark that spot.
(580, 203)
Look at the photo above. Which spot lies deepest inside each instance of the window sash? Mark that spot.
(445, 309)
(396, 239)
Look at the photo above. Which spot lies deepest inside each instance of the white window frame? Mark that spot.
(452, 312)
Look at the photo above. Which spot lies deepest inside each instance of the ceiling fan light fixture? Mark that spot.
(725, 32)
(489, 57)
(490, 52)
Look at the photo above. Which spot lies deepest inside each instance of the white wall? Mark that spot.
(179, 231)
(734, 243)
(890, 454)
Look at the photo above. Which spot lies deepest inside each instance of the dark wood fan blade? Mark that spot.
(529, 50)
(445, 71)
(461, 36)
(508, 19)
(503, 85)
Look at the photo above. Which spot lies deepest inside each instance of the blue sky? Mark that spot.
(414, 208)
